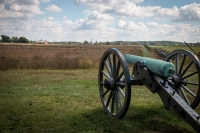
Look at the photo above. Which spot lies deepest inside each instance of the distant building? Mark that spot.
(41, 42)
(91, 42)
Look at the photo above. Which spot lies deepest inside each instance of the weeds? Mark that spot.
(38, 61)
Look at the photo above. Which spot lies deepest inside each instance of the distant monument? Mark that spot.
(91, 42)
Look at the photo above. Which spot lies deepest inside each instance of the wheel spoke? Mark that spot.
(113, 102)
(114, 66)
(186, 69)
(116, 101)
(189, 75)
(121, 92)
(184, 96)
(177, 59)
(104, 73)
(120, 76)
(118, 68)
(105, 93)
(120, 100)
(109, 98)
(182, 63)
(107, 67)
(191, 83)
(188, 90)
(111, 65)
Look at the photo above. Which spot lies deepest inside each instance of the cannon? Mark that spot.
(176, 80)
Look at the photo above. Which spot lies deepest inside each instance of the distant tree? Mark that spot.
(23, 40)
(85, 42)
(5, 38)
(14, 39)
(107, 43)
(31, 41)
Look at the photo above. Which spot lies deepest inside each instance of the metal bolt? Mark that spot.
(150, 84)
(173, 93)
(198, 117)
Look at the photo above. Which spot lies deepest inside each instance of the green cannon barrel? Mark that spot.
(156, 66)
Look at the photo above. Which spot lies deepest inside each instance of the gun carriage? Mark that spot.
(175, 79)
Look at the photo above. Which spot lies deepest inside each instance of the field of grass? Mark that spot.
(68, 101)
(15, 56)
(47, 99)
(171, 48)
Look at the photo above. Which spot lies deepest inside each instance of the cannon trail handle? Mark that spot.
(192, 49)
(168, 95)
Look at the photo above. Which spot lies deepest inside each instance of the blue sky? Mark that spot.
(101, 20)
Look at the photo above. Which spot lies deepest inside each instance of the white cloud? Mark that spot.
(64, 17)
(163, 13)
(128, 8)
(189, 13)
(32, 29)
(129, 25)
(25, 2)
(46, 1)
(53, 8)
(50, 18)
(19, 9)
(152, 24)
(95, 15)
(68, 22)
(94, 20)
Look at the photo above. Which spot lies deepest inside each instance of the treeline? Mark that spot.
(166, 43)
(145, 43)
(14, 39)
(112, 43)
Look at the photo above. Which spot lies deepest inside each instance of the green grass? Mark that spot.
(171, 48)
(146, 53)
(68, 101)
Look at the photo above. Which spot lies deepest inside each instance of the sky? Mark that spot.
(101, 20)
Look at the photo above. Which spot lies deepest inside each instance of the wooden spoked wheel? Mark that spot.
(114, 83)
(187, 76)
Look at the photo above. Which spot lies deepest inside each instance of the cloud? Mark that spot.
(163, 13)
(46, 1)
(2, 1)
(131, 26)
(189, 13)
(53, 8)
(152, 24)
(94, 20)
(130, 9)
(19, 9)
(26, 2)
(51, 18)
(32, 29)
(67, 22)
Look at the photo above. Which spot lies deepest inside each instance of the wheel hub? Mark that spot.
(109, 84)
(178, 82)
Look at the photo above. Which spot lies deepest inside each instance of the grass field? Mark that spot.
(171, 48)
(68, 101)
(15, 56)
